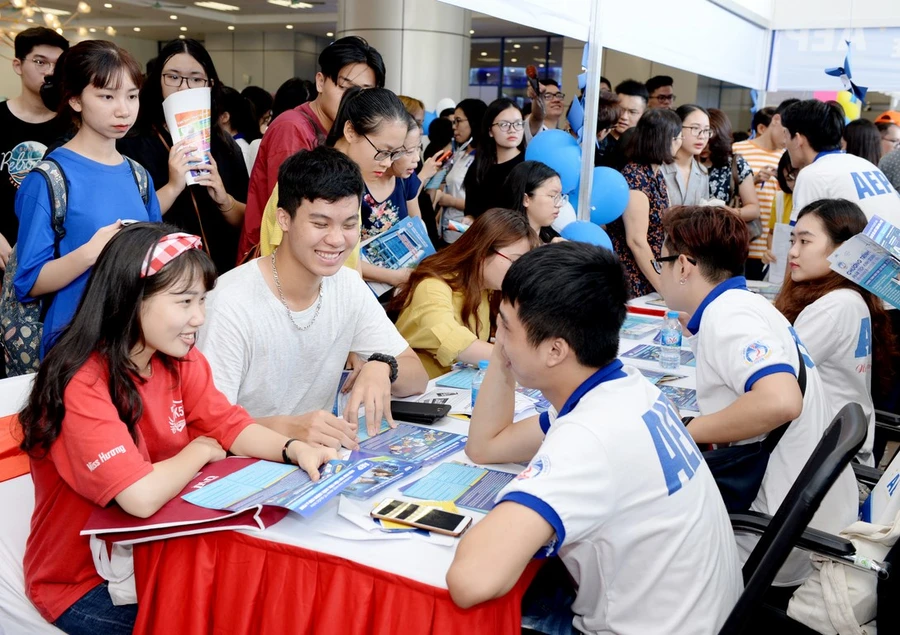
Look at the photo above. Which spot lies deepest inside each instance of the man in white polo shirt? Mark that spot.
(615, 486)
(814, 131)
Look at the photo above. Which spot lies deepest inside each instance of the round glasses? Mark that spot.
(175, 80)
(506, 126)
(381, 155)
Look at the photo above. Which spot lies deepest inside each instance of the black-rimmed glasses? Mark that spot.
(175, 80)
(657, 262)
(381, 155)
(506, 126)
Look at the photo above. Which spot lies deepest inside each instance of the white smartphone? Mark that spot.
(422, 517)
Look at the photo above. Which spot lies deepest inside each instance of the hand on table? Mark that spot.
(320, 428)
(309, 458)
(372, 390)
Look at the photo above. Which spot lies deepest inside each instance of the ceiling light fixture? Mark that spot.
(107, 6)
(289, 26)
(217, 6)
(137, 29)
(290, 4)
(173, 17)
(183, 28)
(329, 34)
(471, 31)
(231, 27)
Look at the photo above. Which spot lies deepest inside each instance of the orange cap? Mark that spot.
(890, 116)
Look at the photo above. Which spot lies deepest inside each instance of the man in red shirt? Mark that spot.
(345, 63)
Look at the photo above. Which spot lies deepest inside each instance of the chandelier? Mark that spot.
(17, 15)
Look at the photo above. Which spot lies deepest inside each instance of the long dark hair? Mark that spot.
(651, 143)
(96, 63)
(242, 116)
(460, 265)
(366, 109)
(151, 113)
(842, 220)
(108, 324)
(524, 179)
(719, 145)
(486, 156)
(863, 140)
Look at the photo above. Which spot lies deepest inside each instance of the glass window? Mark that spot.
(498, 66)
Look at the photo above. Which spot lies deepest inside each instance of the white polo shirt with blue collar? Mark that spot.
(638, 519)
(739, 338)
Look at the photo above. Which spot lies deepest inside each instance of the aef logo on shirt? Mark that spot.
(176, 417)
(103, 457)
(755, 352)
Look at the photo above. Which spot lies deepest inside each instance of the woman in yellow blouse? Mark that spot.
(448, 308)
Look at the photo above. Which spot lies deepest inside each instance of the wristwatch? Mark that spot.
(386, 359)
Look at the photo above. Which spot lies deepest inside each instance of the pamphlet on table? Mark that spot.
(650, 353)
(636, 327)
(682, 398)
(468, 486)
(656, 377)
(413, 444)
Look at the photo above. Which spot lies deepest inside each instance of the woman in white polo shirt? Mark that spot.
(748, 361)
(844, 327)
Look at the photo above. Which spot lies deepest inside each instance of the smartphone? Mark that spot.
(421, 517)
(444, 156)
(419, 412)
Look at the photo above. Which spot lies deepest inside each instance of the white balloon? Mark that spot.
(444, 104)
(566, 215)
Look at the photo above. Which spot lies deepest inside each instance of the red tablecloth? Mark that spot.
(229, 583)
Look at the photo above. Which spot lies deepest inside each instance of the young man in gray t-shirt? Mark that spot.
(279, 329)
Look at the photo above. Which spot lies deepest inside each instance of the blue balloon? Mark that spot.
(430, 116)
(609, 196)
(559, 150)
(582, 231)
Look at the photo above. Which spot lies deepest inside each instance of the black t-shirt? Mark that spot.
(482, 196)
(22, 145)
(220, 237)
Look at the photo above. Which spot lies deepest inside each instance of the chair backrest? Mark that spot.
(832, 455)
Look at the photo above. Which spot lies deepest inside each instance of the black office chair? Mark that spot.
(788, 527)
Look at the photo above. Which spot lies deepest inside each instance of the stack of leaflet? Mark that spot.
(872, 260)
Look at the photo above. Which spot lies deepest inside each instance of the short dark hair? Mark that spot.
(440, 132)
(571, 290)
(549, 81)
(603, 80)
(658, 81)
(292, 93)
(652, 139)
(351, 50)
(38, 36)
(863, 140)
(260, 100)
(608, 111)
(320, 173)
(447, 112)
(633, 88)
(787, 103)
(785, 165)
(821, 123)
(684, 110)
(763, 117)
(242, 116)
(715, 237)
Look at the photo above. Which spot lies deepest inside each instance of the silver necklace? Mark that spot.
(284, 302)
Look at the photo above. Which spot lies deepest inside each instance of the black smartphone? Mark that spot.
(417, 412)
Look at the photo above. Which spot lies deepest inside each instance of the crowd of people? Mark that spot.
(181, 322)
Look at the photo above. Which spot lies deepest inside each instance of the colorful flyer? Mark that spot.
(277, 484)
(683, 398)
(188, 117)
(650, 353)
(637, 326)
(385, 471)
(461, 378)
(468, 486)
(413, 444)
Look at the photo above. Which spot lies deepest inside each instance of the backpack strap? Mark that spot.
(775, 435)
(59, 199)
(141, 179)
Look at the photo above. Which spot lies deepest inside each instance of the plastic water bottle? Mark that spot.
(670, 342)
(477, 379)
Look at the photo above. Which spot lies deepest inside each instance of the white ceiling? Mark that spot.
(153, 18)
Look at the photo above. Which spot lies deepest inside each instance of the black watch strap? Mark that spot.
(386, 359)
(284, 454)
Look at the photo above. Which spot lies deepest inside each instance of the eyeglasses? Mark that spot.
(893, 142)
(558, 199)
(456, 121)
(381, 155)
(41, 64)
(663, 98)
(657, 262)
(506, 126)
(559, 96)
(699, 132)
(175, 81)
(504, 256)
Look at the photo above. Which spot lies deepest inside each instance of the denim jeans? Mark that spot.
(547, 604)
(95, 613)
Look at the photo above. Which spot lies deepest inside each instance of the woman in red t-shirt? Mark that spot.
(124, 409)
